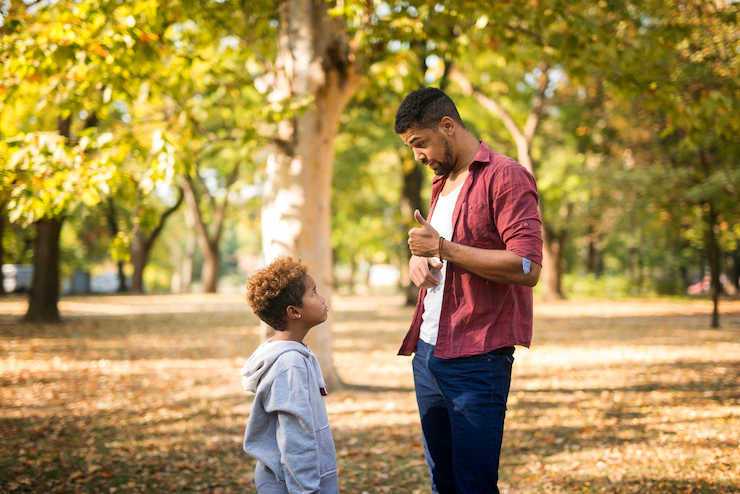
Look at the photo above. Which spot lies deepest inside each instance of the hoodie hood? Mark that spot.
(267, 354)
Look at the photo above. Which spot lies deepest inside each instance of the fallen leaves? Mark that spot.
(125, 399)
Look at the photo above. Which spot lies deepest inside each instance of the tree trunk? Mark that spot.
(43, 305)
(209, 242)
(713, 254)
(2, 250)
(313, 63)
(551, 274)
(735, 271)
(352, 273)
(113, 229)
(592, 252)
(139, 258)
(413, 178)
(189, 259)
(122, 288)
(211, 267)
(711, 244)
(142, 245)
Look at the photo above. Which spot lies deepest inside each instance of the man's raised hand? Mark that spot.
(424, 239)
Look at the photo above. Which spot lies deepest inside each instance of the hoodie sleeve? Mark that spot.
(296, 432)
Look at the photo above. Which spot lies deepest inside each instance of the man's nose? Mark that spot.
(417, 155)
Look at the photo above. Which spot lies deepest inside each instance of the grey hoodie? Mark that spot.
(288, 429)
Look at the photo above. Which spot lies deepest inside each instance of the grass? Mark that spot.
(142, 394)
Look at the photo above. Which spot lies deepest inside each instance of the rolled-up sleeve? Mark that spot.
(515, 211)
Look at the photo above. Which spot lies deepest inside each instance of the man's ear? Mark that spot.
(447, 126)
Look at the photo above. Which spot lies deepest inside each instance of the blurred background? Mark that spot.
(144, 143)
(155, 153)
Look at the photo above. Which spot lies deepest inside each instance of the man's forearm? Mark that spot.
(501, 266)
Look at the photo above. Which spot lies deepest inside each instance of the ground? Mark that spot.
(143, 394)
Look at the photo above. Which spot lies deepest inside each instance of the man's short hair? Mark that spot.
(425, 108)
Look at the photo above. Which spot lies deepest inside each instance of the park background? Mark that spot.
(161, 151)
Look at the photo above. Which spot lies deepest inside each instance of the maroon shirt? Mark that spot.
(496, 209)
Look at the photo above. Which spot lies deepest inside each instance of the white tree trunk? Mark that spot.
(314, 62)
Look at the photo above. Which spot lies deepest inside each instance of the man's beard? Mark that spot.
(447, 164)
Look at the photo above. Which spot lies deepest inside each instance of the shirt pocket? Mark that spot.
(476, 225)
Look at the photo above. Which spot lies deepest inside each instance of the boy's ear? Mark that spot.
(292, 312)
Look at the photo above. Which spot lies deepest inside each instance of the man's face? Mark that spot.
(430, 148)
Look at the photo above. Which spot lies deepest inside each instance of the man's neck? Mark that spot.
(468, 149)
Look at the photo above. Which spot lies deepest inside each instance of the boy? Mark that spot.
(288, 429)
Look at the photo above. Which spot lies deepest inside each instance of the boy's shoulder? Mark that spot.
(291, 358)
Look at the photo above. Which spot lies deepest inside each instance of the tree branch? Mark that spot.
(487, 102)
(539, 103)
(221, 213)
(162, 219)
(189, 190)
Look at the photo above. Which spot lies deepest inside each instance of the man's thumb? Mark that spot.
(419, 218)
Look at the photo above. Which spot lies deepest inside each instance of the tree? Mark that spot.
(209, 242)
(523, 136)
(111, 216)
(316, 67)
(147, 228)
(687, 97)
(50, 178)
(61, 55)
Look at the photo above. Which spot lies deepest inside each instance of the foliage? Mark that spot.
(50, 176)
(636, 144)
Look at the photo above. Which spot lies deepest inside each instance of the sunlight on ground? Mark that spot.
(142, 393)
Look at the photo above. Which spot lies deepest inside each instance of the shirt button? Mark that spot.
(526, 224)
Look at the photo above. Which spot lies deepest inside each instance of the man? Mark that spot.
(476, 262)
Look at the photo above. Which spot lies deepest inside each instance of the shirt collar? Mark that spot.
(483, 156)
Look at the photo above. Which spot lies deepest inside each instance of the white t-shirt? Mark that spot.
(442, 222)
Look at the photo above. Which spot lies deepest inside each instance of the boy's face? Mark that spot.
(313, 309)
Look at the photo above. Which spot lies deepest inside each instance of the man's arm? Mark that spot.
(501, 266)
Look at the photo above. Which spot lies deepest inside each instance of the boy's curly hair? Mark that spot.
(272, 289)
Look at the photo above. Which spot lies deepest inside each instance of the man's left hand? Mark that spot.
(423, 240)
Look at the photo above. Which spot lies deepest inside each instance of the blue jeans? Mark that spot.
(462, 404)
